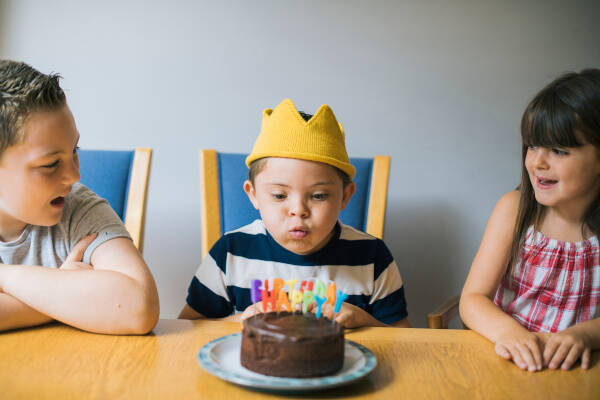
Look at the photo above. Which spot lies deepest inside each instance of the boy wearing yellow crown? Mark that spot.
(300, 178)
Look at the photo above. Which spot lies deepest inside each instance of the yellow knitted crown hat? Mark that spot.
(286, 134)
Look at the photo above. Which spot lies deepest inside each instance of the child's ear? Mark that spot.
(249, 189)
(348, 192)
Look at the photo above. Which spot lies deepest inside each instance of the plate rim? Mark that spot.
(203, 358)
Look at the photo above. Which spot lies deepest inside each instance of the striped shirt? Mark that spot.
(555, 284)
(359, 264)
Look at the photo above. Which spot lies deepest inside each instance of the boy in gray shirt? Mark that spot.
(64, 253)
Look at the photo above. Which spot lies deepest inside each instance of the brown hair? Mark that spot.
(257, 166)
(562, 114)
(24, 90)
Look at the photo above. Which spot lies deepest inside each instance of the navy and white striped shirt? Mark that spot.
(359, 264)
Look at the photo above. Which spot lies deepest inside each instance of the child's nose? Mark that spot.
(298, 209)
(540, 158)
(71, 174)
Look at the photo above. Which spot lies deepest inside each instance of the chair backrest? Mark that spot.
(121, 177)
(225, 205)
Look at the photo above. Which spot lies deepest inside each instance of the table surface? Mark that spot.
(56, 361)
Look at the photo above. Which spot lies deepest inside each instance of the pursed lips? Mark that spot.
(298, 232)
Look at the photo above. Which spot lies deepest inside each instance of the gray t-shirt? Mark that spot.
(84, 213)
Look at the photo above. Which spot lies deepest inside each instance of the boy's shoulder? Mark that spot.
(80, 199)
(350, 233)
(256, 227)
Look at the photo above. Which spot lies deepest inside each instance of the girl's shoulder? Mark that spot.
(508, 205)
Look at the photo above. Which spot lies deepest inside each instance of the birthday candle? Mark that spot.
(320, 288)
(277, 286)
(283, 301)
(331, 294)
(340, 299)
(297, 297)
(268, 297)
(291, 283)
(309, 297)
(302, 286)
(255, 290)
(320, 301)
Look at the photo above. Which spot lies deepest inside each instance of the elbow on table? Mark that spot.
(144, 317)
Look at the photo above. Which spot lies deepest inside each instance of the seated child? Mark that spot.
(64, 254)
(534, 286)
(300, 178)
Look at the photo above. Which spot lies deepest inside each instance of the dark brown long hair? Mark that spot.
(560, 115)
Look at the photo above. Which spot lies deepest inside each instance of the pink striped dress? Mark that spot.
(555, 285)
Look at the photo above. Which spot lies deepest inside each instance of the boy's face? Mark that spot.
(299, 202)
(37, 174)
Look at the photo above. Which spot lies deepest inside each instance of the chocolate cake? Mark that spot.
(292, 345)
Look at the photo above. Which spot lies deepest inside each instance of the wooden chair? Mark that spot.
(442, 315)
(225, 206)
(121, 177)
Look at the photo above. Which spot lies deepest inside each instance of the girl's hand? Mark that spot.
(522, 347)
(564, 348)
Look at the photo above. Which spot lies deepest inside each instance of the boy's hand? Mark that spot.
(564, 348)
(75, 257)
(521, 346)
(350, 316)
(254, 309)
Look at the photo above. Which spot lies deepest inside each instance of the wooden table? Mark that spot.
(60, 362)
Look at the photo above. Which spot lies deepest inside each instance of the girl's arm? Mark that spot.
(116, 295)
(477, 309)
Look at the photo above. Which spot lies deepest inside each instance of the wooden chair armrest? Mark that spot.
(442, 315)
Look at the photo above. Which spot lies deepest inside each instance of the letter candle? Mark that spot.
(320, 301)
(331, 294)
(277, 286)
(291, 283)
(302, 284)
(338, 303)
(340, 299)
(255, 294)
(320, 288)
(309, 297)
(268, 297)
(283, 301)
(297, 297)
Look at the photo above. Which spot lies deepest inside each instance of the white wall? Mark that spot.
(440, 86)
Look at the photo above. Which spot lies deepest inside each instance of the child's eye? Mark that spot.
(278, 196)
(559, 152)
(54, 164)
(531, 147)
(320, 196)
(76, 149)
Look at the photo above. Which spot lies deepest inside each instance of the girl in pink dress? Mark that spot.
(534, 285)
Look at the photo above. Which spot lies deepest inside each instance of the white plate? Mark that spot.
(221, 357)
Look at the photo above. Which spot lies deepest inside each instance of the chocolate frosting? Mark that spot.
(289, 326)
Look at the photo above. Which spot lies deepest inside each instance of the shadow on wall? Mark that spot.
(425, 239)
(3, 29)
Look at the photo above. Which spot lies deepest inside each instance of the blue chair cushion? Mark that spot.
(107, 173)
(237, 210)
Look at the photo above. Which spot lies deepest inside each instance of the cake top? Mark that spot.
(293, 326)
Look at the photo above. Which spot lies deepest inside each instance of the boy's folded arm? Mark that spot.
(15, 314)
(117, 296)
